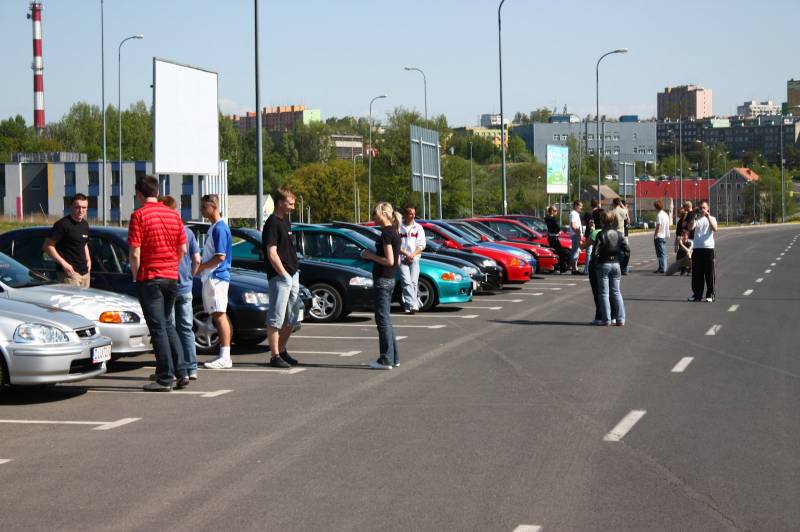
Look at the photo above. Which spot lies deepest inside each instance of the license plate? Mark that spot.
(101, 354)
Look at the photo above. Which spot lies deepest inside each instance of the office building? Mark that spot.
(685, 102)
(753, 109)
(793, 97)
(731, 196)
(280, 118)
(491, 120)
(348, 147)
(492, 135)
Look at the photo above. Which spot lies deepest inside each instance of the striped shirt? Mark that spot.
(158, 231)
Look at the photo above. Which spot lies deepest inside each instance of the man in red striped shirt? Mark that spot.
(157, 243)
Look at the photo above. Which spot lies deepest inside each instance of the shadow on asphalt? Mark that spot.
(32, 395)
(534, 322)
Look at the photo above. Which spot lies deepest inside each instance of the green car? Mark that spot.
(438, 282)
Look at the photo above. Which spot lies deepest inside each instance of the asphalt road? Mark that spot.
(507, 413)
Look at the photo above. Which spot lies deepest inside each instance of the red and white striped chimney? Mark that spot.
(35, 15)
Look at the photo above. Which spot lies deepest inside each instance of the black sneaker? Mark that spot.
(288, 358)
(278, 362)
(183, 382)
(156, 387)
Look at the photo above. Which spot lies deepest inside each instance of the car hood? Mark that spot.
(88, 302)
(14, 313)
(352, 270)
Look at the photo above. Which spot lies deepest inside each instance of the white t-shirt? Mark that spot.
(703, 235)
(574, 219)
(663, 225)
(412, 237)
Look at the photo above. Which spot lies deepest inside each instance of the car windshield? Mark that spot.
(478, 231)
(15, 275)
(360, 239)
(461, 238)
(536, 225)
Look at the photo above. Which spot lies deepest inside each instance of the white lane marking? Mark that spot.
(542, 288)
(98, 425)
(532, 294)
(747, 292)
(343, 337)
(733, 308)
(216, 394)
(713, 330)
(528, 528)
(436, 326)
(487, 308)
(782, 254)
(172, 393)
(290, 371)
(467, 317)
(682, 364)
(424, 315)
(4, 460)
(627, 423)
(340, 353)
(773, 264)
(504, 301)
(767, 271)
(777, 258)
(530, 283)
(760, 279)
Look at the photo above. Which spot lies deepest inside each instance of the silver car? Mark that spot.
(117, 316)
(45, 345)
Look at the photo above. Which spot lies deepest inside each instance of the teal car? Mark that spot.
(438, 282)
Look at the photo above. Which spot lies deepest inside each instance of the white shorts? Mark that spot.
(215, 295)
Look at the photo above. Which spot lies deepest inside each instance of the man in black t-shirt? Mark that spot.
(283, 275)
(68, 244)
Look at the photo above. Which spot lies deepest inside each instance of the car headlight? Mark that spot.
(471, 270)
(255, 298)
(451, 276)
(366, 282)
(489, 263)
(37, 333)
(516, 263)
(115, 316)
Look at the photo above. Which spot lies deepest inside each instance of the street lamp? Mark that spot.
(369, 171)
(425, 87)
(597, 117)
(103, 103)
(502, 126)
(119, 115)
(355, 187)
(471, 184)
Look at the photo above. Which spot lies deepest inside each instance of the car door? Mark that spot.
(347, 252)
(247, 253)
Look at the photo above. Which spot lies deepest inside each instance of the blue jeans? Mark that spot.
(575, 252)
(384, 288)
(608, 278)
(661, 253)
(157, 298)
(182, 318)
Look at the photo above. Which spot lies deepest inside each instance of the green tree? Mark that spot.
(327, 188)
(518, 151)
(81, 130)
(542, 114)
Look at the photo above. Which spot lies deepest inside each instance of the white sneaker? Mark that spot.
(377, 365)
(220, 363)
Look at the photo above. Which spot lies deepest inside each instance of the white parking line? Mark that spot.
(713, 330)
(551, 284)
(489, 308)
(747, 292)
(290, 371)
(782, 254)
(425, 316)
(767, 271)
(542, 288)
(532, 294)
(344, 337)
(527, 528)
(339, 353)
(435, 326)
(682, 364)
(773, 264)
(760, 279)
(98, 425)
(733, 308)
(216, 393)
(4, 460)
(624, 426)
(777, 258)
(505, 301)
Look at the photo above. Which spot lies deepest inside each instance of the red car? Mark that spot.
(515, 269)
(546, 258)
(521, 229)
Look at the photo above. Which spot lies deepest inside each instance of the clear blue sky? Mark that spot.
(336, 55)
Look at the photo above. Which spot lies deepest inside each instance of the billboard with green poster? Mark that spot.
(557, 169)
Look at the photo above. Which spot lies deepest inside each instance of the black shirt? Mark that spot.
(389, 236)
(552, 225)
(71, 238)
(278, 232)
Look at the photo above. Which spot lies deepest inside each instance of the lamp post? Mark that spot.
(355, 187)
(103, 104)
(471, 184)
(119, 114)
(369, 170)
(783, 184)
(502, 126)
(424, 85)
(597, 117)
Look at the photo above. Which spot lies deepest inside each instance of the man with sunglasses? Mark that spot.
(412, 237)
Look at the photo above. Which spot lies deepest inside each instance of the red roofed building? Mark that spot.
(731, 196)
(668, 191)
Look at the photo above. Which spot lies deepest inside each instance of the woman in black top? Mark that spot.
(387, 261)
(553, 229)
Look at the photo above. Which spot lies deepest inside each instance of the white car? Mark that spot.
(117, 316)
(45, 345)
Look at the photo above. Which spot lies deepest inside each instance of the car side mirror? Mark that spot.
(450, 244)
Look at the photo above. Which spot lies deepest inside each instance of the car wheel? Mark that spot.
(206, 338)
(250, 340)
(5, 379)
(427, 294)
(327, 304)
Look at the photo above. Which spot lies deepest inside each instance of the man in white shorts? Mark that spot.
(215, 274)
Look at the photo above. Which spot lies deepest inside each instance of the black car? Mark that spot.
(490, 275)
(108, 246)
(337, 289)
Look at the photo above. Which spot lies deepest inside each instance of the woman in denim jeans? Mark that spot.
(387, 260)
(609, 250)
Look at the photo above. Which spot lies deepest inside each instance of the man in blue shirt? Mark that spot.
(215, 274)
(183, 314)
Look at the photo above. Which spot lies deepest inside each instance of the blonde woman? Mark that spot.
(384, 271)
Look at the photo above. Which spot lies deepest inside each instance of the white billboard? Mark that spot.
(185, 119)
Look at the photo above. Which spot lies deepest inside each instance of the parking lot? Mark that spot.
(506, 412)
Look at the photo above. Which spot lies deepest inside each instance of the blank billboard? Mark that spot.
(185, 119)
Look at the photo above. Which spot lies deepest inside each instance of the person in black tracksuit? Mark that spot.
(553, 229)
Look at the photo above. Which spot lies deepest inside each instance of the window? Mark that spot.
(317, 245)
(616, 137)
(564, 137)
(28, 251)
(186, 201)
(108, 256)
(69, 178)
(635, 149)
(114, 178)
(591, 136)
(555, 136)
(94, 178)
(344, 248)
(434, 237)
(67, 204)
(115, 202)
(635, 136)
(93, 202)
(246, 249)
